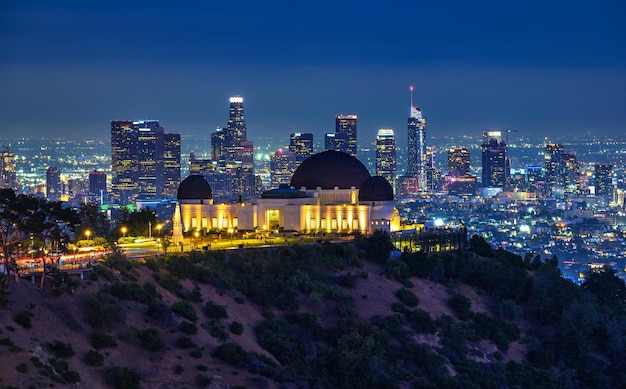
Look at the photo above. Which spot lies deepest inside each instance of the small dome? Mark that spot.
(194, 187)
(330, 169)
(376, 188)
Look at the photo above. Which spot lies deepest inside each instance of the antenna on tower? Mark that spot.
(411, 89)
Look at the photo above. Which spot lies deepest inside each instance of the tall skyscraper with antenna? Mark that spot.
(416, 145)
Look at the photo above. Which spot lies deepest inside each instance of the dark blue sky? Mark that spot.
(544, 68)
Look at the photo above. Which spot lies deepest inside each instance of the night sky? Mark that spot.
(542, 67)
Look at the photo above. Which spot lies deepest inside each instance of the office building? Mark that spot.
(417, 161)
(232, 155)
(603, 173)
(302, 145)
(282, 167)
(386, 155)
(145, 160)
(572, 175)
(97, 182)
(495, 162)
(8, 178)
(458, 162)
(54, 187)
(555, 169)
(345, 137)
(459, 180)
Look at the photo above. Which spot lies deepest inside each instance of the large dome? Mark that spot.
(330, 169)
(194, 187)
(376, 188)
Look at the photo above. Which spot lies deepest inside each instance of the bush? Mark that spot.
(203, 381)
(178, 369)
(124, 378)
(461, 305)
(217, 330)
(231, 353)
(23, 318)
(197, 353)
(151, 340)
(236, 328)
(61, 349)
(184, 342)
(184, 309)
(94, 358)
(214, 311)
(188, 328)
(101, 340)
(22, 367)
(407, 297)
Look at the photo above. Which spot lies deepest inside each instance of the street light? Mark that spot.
(87, 234)
(197, 235)
(124, 229)
(158, 247)
(159, 226)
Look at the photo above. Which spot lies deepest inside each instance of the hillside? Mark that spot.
(323, 316)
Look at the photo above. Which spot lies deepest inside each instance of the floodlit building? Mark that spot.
(329, 192)
(386, 155)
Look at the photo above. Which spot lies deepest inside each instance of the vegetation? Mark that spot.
(529, 327)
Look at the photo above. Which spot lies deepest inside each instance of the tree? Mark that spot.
(22, 216)
(606, 286)
(377, 246)
(137, 222)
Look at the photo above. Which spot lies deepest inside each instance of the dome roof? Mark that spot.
(330, 169)
(376, 188)
(194, 187)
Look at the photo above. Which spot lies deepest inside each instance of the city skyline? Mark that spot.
(540, 68)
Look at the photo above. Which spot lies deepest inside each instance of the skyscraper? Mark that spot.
(8, 178)
(233, 154)
(495, 162)
(555, 169)
(572, 174)
(344, 139)
(416, 145)
(282, 167)
(171, 164)
(54, 188)
(145, 160)
(458, 162)
(345, 126)
(302, 145)
(97, 182)
(386, 155)
(459, 181)
(604, 180)
(124, 163)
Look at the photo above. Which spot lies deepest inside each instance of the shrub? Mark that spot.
(23, 318)
(203, 381)
(239, 300)
(231, 353)
(124, 378)
(197, 353)
(236, 328)
(22, 367)
(185, 309)
(151, 340)
(461, 305)
(421, 321)
(217, 330)
(94, 358)
(184, 342)
(61, 349)
(104, 312)
(178, 369)
(214, 311)
(407, 297)
(102, 340)
(188, 328)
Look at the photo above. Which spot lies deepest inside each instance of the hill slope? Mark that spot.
(311, 316)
